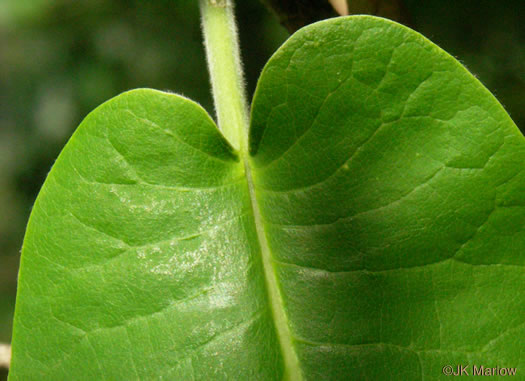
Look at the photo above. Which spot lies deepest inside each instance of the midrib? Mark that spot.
(291, 361)
(222, 52)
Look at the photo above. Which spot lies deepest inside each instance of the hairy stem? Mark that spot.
(224, 64)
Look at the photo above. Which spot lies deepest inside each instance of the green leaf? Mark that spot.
(392, 188)
(375, 231)
(140, 259)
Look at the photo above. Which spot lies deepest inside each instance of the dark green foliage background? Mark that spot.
(59, 59)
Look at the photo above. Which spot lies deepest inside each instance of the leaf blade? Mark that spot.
(390, 186)
(130, 269)
(383, 170)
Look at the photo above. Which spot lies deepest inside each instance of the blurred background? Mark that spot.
(59, 59)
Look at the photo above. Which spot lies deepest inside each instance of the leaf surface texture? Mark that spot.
(381, 229)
